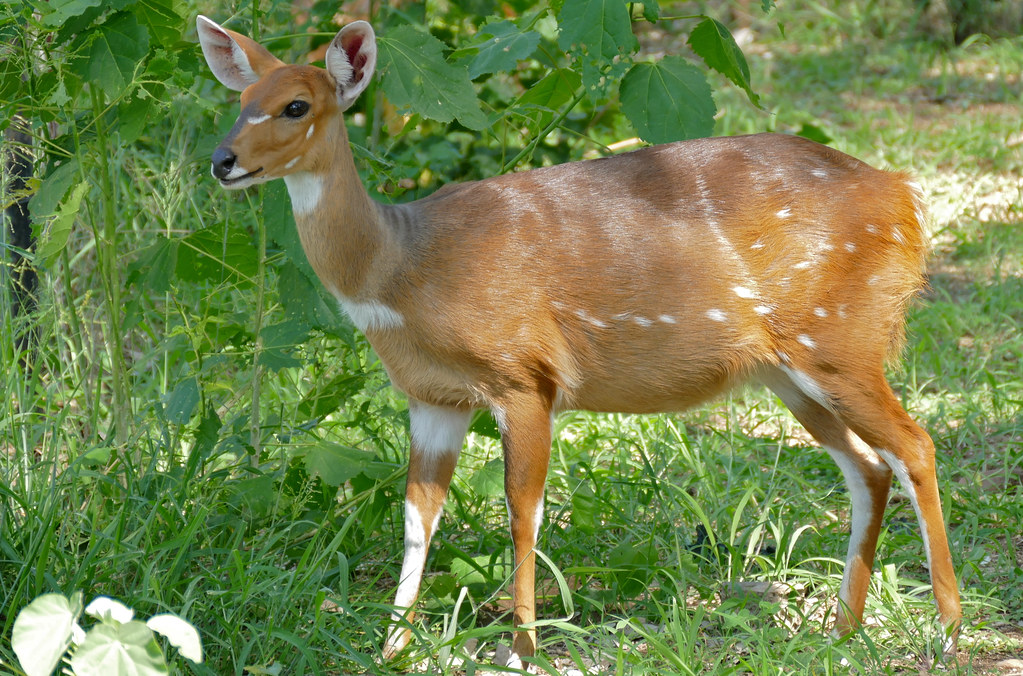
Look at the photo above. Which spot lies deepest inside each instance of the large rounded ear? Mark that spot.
(351, 58)
(237, 61)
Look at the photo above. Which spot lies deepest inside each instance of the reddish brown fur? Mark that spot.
(644, 282)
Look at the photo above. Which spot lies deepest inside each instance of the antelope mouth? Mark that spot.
(241, 181)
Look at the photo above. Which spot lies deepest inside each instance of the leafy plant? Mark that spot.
(117, 645)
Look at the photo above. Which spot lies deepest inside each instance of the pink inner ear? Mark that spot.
(352, 47)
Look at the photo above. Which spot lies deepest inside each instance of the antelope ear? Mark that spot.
(351, 58)
(237, 61)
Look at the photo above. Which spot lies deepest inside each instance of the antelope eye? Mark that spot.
(296, 109)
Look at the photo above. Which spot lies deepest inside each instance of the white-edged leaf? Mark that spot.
(181, 634)
(42, 633)
(106, 609)
(116, 649)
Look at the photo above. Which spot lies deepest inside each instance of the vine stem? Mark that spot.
(555, 123)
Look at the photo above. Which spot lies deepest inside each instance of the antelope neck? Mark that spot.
(341, 228)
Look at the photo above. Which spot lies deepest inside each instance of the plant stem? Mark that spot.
(531, 146)
(106, 251)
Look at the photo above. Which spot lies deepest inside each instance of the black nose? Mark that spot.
(223, 162)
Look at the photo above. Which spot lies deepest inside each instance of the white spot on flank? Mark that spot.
(820, 312)
(897, 234)
(716, 315)
(841, 310)
(642, 321)
(583, 315)
(762, 309)
(819, 173)
(667, 319)
(305, 190)
(874, 279)
(806, 340)
(802, 266)
(871, 228)
(437, 430)
(743, 292)
(757, 245)
(784, 213)
(309, 134)
(258, 119)
(850, 247)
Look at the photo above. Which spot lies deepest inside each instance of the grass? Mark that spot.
(705, 543)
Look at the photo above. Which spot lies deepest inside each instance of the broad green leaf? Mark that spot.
(119, 649)
(256, 495)
(211, 254)
(181, 634)
(60, 228)
(108, 610)
(42, 633)
(814, 133)
(65, 9)
(181, 402)
(716, 46)
(548, 95)
(334, 463)
(280, 341)
(599, 33)
(160, 18)
(498, 46)
(416, 76)
(327, 397)
(600, 27)
(651, 10)
(669, 100)
(154, 267)
(488, 480)
(52, 190)
(117, 46)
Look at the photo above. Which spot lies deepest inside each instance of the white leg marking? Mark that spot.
(437, 430)
(862, 499)
(806, 384)
(414, 562)
(305, 190)
(902, 473)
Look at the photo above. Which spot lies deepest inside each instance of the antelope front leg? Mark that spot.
(437, 435)
(526, 437)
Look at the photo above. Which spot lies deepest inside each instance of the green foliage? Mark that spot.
(118, 645)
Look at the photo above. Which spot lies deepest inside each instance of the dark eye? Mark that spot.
(296, 109)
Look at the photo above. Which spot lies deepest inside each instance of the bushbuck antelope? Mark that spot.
(644, 282)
